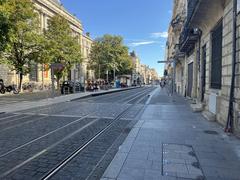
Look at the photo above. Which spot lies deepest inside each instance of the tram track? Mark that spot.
(136, 98)
(61, 165)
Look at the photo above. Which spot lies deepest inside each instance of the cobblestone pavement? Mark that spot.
(37, 141)
(171, 142)
(10, 98)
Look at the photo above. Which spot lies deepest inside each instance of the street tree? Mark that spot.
(4, 26)
(108, 54)
(61, 47)
(21, 38)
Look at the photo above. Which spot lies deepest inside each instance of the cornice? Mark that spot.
(58, 9)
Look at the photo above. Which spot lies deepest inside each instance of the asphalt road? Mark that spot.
(71, 140)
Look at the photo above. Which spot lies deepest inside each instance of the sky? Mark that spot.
(142, 23)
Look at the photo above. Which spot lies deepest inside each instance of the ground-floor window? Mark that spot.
(216, 63)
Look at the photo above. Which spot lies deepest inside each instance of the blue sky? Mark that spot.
(142, 23)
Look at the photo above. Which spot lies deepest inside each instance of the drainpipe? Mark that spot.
(230, 121)
(199, 60)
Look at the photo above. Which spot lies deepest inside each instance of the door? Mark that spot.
(190, 79)
(204, 58)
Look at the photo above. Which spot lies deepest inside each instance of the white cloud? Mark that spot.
(135, 44)
(159, 35)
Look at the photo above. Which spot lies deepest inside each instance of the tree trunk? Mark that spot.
(20, 81)
(58, 84)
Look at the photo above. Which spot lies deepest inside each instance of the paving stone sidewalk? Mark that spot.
(171, 142)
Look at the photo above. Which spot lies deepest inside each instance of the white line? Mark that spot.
(76, 153)
(25, 116)
(47, 149)
(10, 127)
(9, 117)
(34, 140)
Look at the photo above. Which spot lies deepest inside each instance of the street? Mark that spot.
(171, 142)
(71, 140)
(120, 90)
(137, 134)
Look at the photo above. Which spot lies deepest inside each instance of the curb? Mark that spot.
(103, 93)
(51, 101)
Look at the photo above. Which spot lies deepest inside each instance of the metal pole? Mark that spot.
(174, 76)
(114, 72)
(74, 81)
(52, 78)
(42, 76)
(98, 71)
(230, 120)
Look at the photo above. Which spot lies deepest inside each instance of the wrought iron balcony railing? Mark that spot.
(188, 35)
(191, 7)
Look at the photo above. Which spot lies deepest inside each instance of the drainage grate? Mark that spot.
(181, 161)
(211, 132)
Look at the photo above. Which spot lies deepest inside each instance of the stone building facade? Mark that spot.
(39, 75)
(206, 50)
(136, 78)
(141, 73)
(176, 60)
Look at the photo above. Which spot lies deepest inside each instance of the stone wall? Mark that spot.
(237, 87)
(222, 111)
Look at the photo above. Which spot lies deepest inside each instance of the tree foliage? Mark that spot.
(21, 38)
(107, 54)
(61, 47)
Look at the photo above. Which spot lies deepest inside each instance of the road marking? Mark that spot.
(10, 127)
(47, 149)
(34, 140)
(9, 117)
(25, 116)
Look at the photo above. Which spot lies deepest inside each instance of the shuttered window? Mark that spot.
(216, 63)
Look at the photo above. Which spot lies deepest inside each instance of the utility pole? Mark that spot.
(52, 79)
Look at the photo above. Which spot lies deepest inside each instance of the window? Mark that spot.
(216, 64)
(238, 6)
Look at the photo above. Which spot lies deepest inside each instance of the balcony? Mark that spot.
(191, 7)
(189, 36)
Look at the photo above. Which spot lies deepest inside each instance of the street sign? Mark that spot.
(57, 66)
(170, 61)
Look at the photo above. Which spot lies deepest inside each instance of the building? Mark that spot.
(40, 74)
(136, 78)
(208, 52)
(85, 73)
(175, 65)
(142, 74)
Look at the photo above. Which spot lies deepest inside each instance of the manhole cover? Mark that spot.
(180, 161)
(211, 132)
